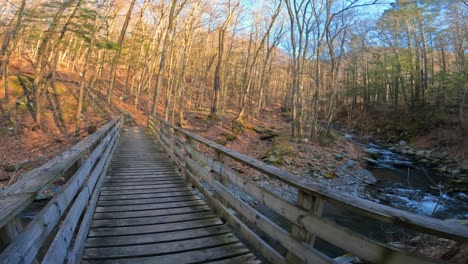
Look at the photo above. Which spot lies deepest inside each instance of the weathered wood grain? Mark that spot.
(196, 256)
(159, 248)
(304, 252)
(29, 242)
(33, 182)
(93, 242)
(380, 212)
(145, 210)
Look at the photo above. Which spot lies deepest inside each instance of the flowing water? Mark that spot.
(408, 186)
(401, 184)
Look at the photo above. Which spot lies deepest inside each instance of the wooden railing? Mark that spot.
(51, 233)
(212, 175)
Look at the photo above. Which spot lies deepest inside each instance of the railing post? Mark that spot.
(10, 231)
(220, 157)
(310, 203)
(171, 140)
(189, 143)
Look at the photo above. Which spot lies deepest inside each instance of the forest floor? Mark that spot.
(337, 163)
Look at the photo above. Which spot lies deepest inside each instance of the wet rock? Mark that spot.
(288, 161)
(339, 156)
(347, 259)
(10, 168)
(350, 163)
(420, 153)
(455, 172)
(423, 161)
(402, 143)
(365, 176)
(371, 161)
(273, 159)
(464, 168)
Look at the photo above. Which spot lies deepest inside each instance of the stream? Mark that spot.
(408, 186)
(401, 184)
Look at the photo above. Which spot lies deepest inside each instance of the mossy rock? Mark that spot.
(237, 128)
(231, 137)
(280, 149)
(10, 168)
(18, 84)
(60, 89)
(328, 137)
(221, 141)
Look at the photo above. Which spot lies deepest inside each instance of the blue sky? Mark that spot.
(373, 10)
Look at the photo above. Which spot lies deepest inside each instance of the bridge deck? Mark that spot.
(148, 213)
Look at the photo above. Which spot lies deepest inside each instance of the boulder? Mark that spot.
(350, 163)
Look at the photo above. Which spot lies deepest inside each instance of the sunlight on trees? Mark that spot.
(310, 58)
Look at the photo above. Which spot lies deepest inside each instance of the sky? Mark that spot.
(374, 10)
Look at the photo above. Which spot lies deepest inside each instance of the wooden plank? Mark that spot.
(145, 191)
(142, 170)
(246, 232)
(58, 250)
(201, 256)
(145, 195)
(142, 207)
(312, 205)
(110, 180)
(11, 205)
(244, 259)
(34, 180)
(149, 201)
(380, 212)
(131, 176)
(136, 214)
(304, 252)
(144, 183)
(74, 255)
(153, 220)
(158, 228)
(155, 238)
(331, 232)
(200, 171)
(144, 187)
(10, 231)
(258, 243)
(28, 243)
(159, 248)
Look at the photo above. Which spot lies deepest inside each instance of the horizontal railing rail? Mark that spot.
(51, 236)
(213, 175)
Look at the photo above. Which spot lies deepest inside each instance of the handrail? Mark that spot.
(179, 143)
(16, 197)
(87, 161)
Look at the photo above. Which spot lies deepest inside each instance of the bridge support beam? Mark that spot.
(314, 205)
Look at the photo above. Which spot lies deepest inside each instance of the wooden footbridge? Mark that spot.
(165, 195)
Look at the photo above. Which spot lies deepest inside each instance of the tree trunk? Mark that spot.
(115, 61)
